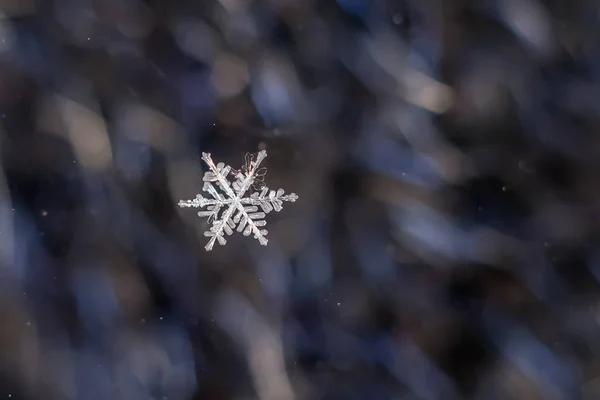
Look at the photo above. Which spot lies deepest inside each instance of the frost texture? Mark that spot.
(228, 209)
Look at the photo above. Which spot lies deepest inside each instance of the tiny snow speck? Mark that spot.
(247, 218)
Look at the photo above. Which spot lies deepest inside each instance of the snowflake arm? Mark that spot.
(219, 174)
(219, 226)
(245, 180)
(213, 206)
(274, 201)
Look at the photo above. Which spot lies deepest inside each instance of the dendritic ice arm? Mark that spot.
(274, 201)
(251, 168)
(247, 219)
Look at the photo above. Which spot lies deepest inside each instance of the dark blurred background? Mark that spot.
(445, 241)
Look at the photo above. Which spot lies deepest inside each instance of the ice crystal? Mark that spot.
(228, 209)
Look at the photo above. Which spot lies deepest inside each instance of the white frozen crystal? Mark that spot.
(239, 213)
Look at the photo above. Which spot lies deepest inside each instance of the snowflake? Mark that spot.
(247, 219)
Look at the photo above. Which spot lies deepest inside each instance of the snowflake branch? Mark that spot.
(274, 201)
(258, 234)
(216, 232)
(200, 201)
(249, 177)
